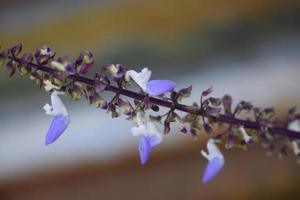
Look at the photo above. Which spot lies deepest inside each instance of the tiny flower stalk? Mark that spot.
(61, 118)
(61, 75)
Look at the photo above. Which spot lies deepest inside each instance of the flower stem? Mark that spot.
(169, 104)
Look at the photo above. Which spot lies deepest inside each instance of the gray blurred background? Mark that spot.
(246, 48)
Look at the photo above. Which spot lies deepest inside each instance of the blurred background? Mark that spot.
(249, 49)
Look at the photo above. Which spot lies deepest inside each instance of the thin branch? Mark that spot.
(169, 104)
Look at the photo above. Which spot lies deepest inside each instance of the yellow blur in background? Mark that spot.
(249, 49)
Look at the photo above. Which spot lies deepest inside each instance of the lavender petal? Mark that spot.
(159, 87)
(144, 149)
(212, 169)
(57, 127)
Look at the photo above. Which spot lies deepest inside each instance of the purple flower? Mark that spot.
(149, 138)
(153, 87)
(215, 161)
(61, 118)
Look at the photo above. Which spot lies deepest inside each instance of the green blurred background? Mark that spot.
(249, 49)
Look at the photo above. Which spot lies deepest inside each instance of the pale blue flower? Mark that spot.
(61, 118)
(215, 161)
(153, 87)
(149, 137)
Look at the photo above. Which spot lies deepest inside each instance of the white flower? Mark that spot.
(61, 118)
(149, 137)
(141, 78)
(147, 130)
(57, 107)
(153, 87)
(215, 161)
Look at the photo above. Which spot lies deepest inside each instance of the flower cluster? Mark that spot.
(246, 124)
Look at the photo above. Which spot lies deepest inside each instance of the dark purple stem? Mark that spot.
(172, 105)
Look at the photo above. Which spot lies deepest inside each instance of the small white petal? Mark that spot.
(139, 130)
(58, 66)
(151, 128)
(147, 129)
(57, 104)
(43, 51)
(213, 150)
(204, 154)
(245, 136)
(294, 125)
(48, 109)
(152, 131)
(141, 78)
(155, 140)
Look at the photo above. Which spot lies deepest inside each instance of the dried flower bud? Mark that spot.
(207, 92)
(3, 56)
(99, 86)
(57, 66)
(166, 127)
(98, 100)
(115, 111)
(184, 93)
(227, 102)
(128, 109)
(11, 67)
(75, 91)
(243, 106)
(88, 57)
(212, 111)
(84, 62)
(117, 71)
(44, 54)
(16, 50)
(207, 128)
(215, 101)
